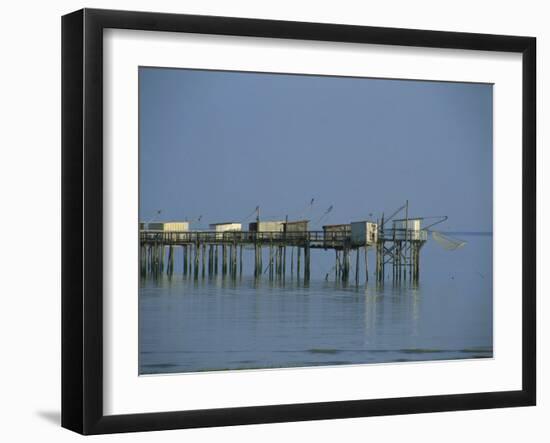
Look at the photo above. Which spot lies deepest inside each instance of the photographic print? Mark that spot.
(291, 220)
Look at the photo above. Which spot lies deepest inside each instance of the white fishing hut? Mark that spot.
(220, 228)
(171, 226)
(364, 233)
(412, 228)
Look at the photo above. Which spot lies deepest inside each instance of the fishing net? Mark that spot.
(446, 242)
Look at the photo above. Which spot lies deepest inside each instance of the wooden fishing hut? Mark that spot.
(267, 226)
(334, 234)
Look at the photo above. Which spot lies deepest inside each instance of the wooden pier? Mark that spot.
(397, 253)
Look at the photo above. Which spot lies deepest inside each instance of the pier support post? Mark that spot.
(399, 267)
(234, 261)
(260, 257)
(241, 260)
(307, 262)
(161, 253)
(170, 268)
(366, 264)
(379, 260)
(257, 265)
(230, 253)
(270, 265)
(298, 263)
(336, 264)
(414, 263)
(142, 259)
(284, 261)
(357, 268)
(224, 259)
(196, 262)
(277, 263)
(398, 261)
(344, 262)
(184, 258)
(210, 259)
(216, 255)
(190, 257)
(418, 262)
(203, 270)
(348, 276)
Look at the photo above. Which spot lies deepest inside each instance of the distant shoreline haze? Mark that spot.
(466, 232)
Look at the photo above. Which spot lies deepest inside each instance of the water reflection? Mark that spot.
(214, 322)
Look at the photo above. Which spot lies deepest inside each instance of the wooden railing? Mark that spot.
(313, 238)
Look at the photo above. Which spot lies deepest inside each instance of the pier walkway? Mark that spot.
(204, 251)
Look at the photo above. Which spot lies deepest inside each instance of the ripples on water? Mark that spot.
(212, 324)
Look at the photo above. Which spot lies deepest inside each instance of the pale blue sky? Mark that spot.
(218, 144)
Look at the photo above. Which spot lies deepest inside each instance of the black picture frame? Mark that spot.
(82, 215)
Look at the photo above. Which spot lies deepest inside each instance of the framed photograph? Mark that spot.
(268, 221)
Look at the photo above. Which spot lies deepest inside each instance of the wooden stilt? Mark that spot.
(357, 268)
(241, 260)
(345, 259)
(284, 261)
(198, 260)
(307, 262)
(234, 260)
(257, 270)
(184, 258)
(298, 263)
(291, 262)
(170, 267)
(203, 256)
(366, 265)
(224, 260)
(270, 265)
(216, 255)
(210, 259)
(261, 257)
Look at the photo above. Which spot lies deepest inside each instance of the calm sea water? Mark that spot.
(219, 324)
